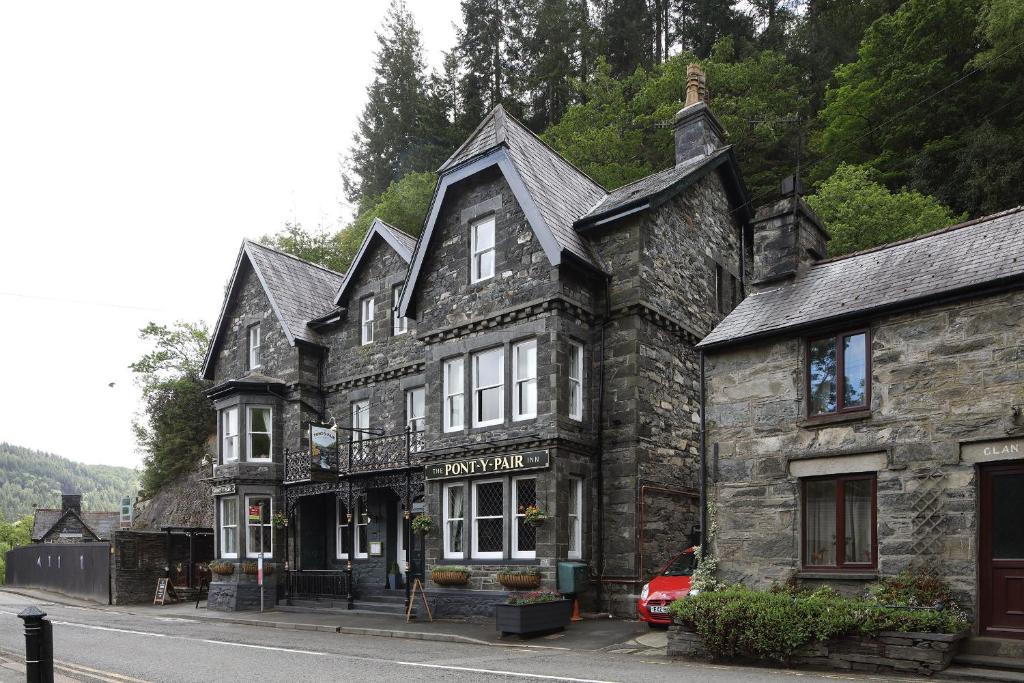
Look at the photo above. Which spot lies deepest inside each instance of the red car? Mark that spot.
(671, 583)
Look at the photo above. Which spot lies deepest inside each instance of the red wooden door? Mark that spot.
(1002, 551)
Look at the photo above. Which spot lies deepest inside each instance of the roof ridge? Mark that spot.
(924, 236)
(293, 256)
(443, 168)
(393, 228)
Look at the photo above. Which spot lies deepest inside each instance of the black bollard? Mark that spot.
(38, 646)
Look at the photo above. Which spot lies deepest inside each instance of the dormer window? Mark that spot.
(255, 358)
(366, 320)
(838, 374)
(482, 250)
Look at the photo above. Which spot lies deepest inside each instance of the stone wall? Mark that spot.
(942, 377)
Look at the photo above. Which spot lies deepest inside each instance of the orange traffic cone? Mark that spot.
(576, 610)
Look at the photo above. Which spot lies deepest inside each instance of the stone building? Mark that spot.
(864, 412)
(536, 346)
(70, 524)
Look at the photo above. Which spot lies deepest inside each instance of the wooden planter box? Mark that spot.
(519, 582)
(443, 578)
(535, 618)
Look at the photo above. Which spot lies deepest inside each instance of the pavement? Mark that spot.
(597, 632)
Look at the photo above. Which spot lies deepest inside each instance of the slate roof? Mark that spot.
(103, 524)
(561, 191)
(637, 192)
(983, 252)
(401, 242)
(298, 292)
(407, 241)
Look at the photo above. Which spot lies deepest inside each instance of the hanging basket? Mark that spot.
(518, 581)
(222, 568)
(449, 576)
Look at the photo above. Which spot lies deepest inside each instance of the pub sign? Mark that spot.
(488, 464)
(323, 443)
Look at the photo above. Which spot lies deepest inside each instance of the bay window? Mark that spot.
(489, 387)
(838, 373)
(839, 518)
(524, 380)
(454, 520)
(575, 380)
(259, 531)
(229, 528)
(488, 519)
(454, 396)
(482, 250)
(259, 428)
(229, 435)
(366, 315)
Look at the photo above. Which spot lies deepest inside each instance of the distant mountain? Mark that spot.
(29, 477)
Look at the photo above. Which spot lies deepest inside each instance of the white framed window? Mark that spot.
(489, 519)
(575, 380)
(259, 531)
(260, 431)
(524, 536)
(229, 435)
(482, 250)
(229, 528)
(401, 552)
(454, 395)
(399, 323)
(575, 515)
(524, 380)
(416, 409)
(359, 541)
(366, 320)
(454, 521)
(341, 535)
(255, 360)
(489, 387)
(360, 423)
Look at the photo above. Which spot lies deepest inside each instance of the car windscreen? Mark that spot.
(681, 566)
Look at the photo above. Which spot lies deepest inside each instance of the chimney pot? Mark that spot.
(698, 132)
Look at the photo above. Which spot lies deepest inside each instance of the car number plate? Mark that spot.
(658, 609)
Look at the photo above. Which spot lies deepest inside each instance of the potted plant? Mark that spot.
(534, 516)
(279, 520)
(222, 567)
(449, 575)
(519, 579)
(253, 568)
(422, 524)
(394, 576)
(535, 612)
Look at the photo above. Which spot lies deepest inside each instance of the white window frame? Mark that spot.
(489, 555)
(366, 316)
(226, 523)
(399, 323)
(450, 554)
(227, 416)
(576, 382)
(412, 419)
(255, 552)
(249, 432)
(454, 395)
(255, 340)
(401, 551)
(576, 519)
(358, 551)
(360, 410)
(475, 273)
(521, 379)
(518, 554)
(341, 529)
(478, 390)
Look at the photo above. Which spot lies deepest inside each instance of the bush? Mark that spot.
(533, 598)
(913, 587)
(740, 622)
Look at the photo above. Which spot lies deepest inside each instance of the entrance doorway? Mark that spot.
(1001, 551)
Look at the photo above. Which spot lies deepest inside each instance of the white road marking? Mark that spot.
(263, 647)
(498, 672)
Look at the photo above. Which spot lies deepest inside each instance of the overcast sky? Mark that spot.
(140, 142)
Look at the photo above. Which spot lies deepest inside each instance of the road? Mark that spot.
(112, 645)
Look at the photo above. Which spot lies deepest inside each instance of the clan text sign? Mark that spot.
(488, 464)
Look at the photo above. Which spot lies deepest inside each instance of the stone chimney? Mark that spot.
(71, 501)
(788, 237)
(698, 132)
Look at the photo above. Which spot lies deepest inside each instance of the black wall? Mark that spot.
(81, 570)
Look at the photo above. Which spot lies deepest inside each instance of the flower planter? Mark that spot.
(536, 618)
(519, 582)
(226, 569)
(448, 578)
(253, 568)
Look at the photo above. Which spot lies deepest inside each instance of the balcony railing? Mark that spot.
(374, 454)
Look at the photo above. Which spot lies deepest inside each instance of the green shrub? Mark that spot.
(739, 622)
(920, 586)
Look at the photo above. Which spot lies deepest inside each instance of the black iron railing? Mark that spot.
(312, 584)
(360, 455)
